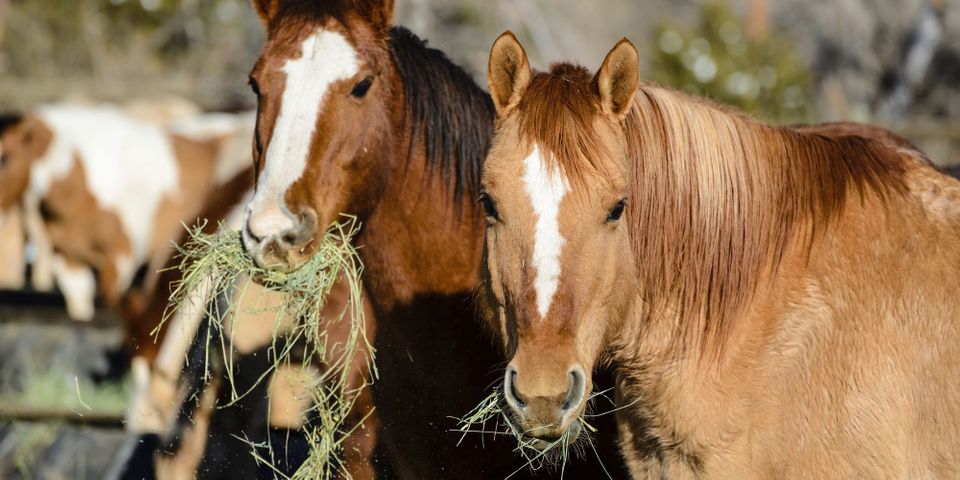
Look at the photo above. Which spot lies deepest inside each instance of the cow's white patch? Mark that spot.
(326, 57)
(546, 189)
(129, 165)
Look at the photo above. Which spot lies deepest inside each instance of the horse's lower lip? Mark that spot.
(274, 264)
(544, 443)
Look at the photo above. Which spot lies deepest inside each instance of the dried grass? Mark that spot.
(218, 262)
(493, 417)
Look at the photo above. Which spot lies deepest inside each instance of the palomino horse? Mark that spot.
(778, 302)
(358, 117)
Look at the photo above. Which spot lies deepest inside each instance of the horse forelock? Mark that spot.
(559, 113)
(296, 14)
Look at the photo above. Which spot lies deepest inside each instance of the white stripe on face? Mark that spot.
(546, 189)
(326, 57)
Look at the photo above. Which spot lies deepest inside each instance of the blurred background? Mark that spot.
(895, 63)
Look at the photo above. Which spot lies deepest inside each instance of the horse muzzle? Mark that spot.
(278, 240)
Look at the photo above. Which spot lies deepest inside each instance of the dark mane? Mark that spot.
(452, 114)
(9, 119)
(953, 171)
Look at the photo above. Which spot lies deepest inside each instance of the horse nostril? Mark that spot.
(577, 389)
(250, 233)
(301, 233)
(510, 388)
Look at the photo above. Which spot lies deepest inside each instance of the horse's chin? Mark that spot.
(570, 435)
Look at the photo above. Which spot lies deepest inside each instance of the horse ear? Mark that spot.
(380, 14)
(508, 72)
(266, 9)
(619, 78)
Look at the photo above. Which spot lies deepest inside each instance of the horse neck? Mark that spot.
(722, 239)
(422, 237)
(699, 237)
(728, 199)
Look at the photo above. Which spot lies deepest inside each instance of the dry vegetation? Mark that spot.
(218, 261)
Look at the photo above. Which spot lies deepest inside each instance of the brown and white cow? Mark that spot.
(102, 193)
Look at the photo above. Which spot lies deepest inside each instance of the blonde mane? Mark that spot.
(715, 198)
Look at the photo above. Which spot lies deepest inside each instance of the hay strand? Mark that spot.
(493, 417)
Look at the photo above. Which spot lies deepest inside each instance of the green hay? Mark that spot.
(555, 455)
(218, 261)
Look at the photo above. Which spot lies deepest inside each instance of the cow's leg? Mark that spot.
(78, 285)
(12, 250)
(41, 271)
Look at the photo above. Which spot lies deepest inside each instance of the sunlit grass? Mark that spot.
(57, 391)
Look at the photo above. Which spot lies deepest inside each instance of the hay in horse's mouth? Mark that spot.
(218, 261)
(537, 453)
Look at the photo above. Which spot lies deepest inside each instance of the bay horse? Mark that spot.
(777, 302)
(358, 116)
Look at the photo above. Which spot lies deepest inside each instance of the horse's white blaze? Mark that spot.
(546, 189)
(326, 57)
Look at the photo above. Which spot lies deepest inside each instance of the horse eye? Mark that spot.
(360, 89)
(617, 211)
(3, 159)
(254, 86)
(489, 208)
